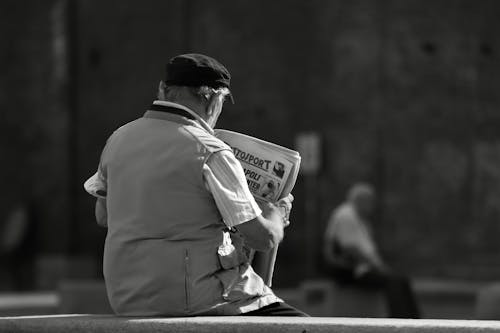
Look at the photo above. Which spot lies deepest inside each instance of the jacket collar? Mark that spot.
(189, 114)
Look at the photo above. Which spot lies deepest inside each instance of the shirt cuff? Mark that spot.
(244, 216)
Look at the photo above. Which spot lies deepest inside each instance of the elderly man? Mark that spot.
(353, 257)
(180, 216)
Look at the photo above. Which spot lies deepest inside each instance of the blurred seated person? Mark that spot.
(352, 256)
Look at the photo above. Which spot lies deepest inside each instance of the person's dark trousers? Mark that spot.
(397, 289)
(277, 309)
(398, 292)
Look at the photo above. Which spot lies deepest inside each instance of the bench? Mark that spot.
(488, 302)
(438, 300)
(28, 303)
(110, 324)
(447, 299)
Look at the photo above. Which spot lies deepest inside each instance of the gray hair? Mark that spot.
(174, 93)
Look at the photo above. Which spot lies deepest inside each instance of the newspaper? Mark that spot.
(270, 170)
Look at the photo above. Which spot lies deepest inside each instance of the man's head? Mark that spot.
(362, 197)
(197, 81)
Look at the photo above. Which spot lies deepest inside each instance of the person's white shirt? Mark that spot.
(352, 233)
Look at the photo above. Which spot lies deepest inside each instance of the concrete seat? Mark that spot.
(110, 324)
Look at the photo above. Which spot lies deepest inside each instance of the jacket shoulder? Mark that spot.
(209, 141)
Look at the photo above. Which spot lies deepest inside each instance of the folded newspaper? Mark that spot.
(271, 172)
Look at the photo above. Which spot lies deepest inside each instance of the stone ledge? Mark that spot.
(109, 324)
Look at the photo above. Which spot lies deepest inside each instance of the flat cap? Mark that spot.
(196, 70)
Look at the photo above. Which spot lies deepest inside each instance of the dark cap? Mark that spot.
(196, 70)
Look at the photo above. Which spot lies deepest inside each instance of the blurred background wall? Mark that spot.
(403, 94)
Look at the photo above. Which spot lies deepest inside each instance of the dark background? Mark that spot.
(404, 94)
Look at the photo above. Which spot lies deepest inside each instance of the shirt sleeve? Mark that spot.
(96, 185)
(226, 181)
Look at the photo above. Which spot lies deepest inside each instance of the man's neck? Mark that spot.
(195, 107)
(198, 119)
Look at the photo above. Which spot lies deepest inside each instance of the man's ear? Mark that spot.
(210, 106)
(161, 90)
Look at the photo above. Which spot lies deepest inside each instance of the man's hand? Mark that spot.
(285, 206)
(271, 211)
(265, 231)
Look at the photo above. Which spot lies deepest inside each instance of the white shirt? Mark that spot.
(350, 231)
(223, 175)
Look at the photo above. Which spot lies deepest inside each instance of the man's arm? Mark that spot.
(265, 231)
(97, 187)
(101, 213)
(357, 243)
(261, 226)
(365, 256)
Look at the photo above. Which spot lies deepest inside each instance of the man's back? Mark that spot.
(159, 213)
(178, 208)
(150, 163)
